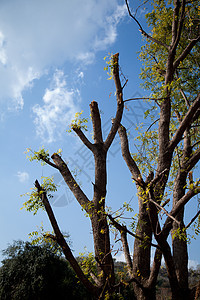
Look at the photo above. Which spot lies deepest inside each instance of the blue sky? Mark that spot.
(51, 66)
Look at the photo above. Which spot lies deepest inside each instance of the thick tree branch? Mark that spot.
(177, 207)
(120, 104)
(48, 162)
(185, 199)
(193, 160)
(184, 124)
(135, 172)
(62, 242)
(83, 138)
(155, 269)
(71, 182)
(185, 52)
(177, 24)
(158, 177)
(163, 244)
(144, 33)
(96, 122)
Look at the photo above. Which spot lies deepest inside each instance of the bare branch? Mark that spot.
(144, 98)
(126, 251)
(152, 124)
(177, 207)
(83, 138)
(123, 228)
(142, 30)
(155, 269)
(127, 156)
(71, 182)
(193, 219)
(120, 103)
(185, 199)
(185, 98)
(96, 122)
(165, 211)
(177, 24)
(48, 162)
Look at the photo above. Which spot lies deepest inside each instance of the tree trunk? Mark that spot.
(105, 265)
(179, 244)
(142, 252)
(98, 218)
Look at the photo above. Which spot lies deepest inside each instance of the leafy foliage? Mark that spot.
(78, 122)
(34, 202)
(87, 262)
(39, 155)
(35, 272)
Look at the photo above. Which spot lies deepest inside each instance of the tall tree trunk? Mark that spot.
(179, 244)
(142, 252)
(180, 252)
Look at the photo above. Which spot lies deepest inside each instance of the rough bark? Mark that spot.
(180, 253)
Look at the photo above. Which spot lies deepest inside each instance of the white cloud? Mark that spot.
(110, 31)
(57, 110)
(3, 57)
(23, 176)
(35, 35)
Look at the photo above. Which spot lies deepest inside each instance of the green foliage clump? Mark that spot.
(87, 262)
(34, 202)
(111, 62)
(34, 272)
(78, 122)
(39, 155)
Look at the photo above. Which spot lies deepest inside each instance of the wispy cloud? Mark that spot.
(37, 34)
(57, 110)
(22, 176)
(110, 29)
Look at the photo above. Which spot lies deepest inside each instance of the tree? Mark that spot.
(105, 279)
(35, 272)
(171, 72)
(171, 146)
